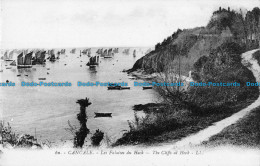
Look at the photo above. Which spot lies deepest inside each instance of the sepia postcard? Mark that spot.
(130, 82)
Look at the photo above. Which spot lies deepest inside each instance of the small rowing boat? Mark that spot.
(117, 87)
(147, 87)
(103, 114)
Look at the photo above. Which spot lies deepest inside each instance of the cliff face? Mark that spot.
(185, 47)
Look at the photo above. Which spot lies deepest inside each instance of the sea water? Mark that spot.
(47, 109)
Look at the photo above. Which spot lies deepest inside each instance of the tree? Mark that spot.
(82, 133)
(242, 18)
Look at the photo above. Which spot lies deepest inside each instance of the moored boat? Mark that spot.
(8, 57)
(147, 87)
(117, 87)
(126, 51)
(93, 61)
(124, 87)
(97, 114)
(114, 87)
(134, 53)
(109, 53)
(52, 57)
(73, 51)
(39, 58)
(25, 62)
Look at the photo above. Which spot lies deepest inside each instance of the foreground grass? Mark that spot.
(174, 126)
(245, 132)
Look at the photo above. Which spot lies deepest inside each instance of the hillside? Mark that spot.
(191, 44)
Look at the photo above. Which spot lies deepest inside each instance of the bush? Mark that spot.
(10, 138)
(143, 130)
(97, 138)
(223, 65)
(7, 135)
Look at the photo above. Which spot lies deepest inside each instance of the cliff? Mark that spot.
(186, 46)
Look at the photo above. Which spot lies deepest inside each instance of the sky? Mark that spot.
(102, 23)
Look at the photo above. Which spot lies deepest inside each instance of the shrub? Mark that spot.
(10, 138)
(144, 129)
(97, 138)
(223, 65)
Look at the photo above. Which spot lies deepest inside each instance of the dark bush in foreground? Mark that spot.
(144, 129)
(97, 138)
(10, 139)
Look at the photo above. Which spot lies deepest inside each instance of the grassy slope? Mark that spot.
(245, 132)
(187, 123)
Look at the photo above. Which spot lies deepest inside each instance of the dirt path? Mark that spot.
(205, 134)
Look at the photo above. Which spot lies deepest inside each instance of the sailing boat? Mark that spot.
(134, 53)
(42, 57)
(109, 53)
(99, 51)
(126, 51)
(115, 50)
(93, 61)
(52, 56)
(39, 57)
(25, 51)
(5, 55)
(85, 51)
(49, 52)
(89, 52)
(62, 51)
(13, 63)
(35, 57)
(73, 51)
(58, 55)
(8, 57)
(104, 53)
(25, 62)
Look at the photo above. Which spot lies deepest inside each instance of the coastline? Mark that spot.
(183, 131)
